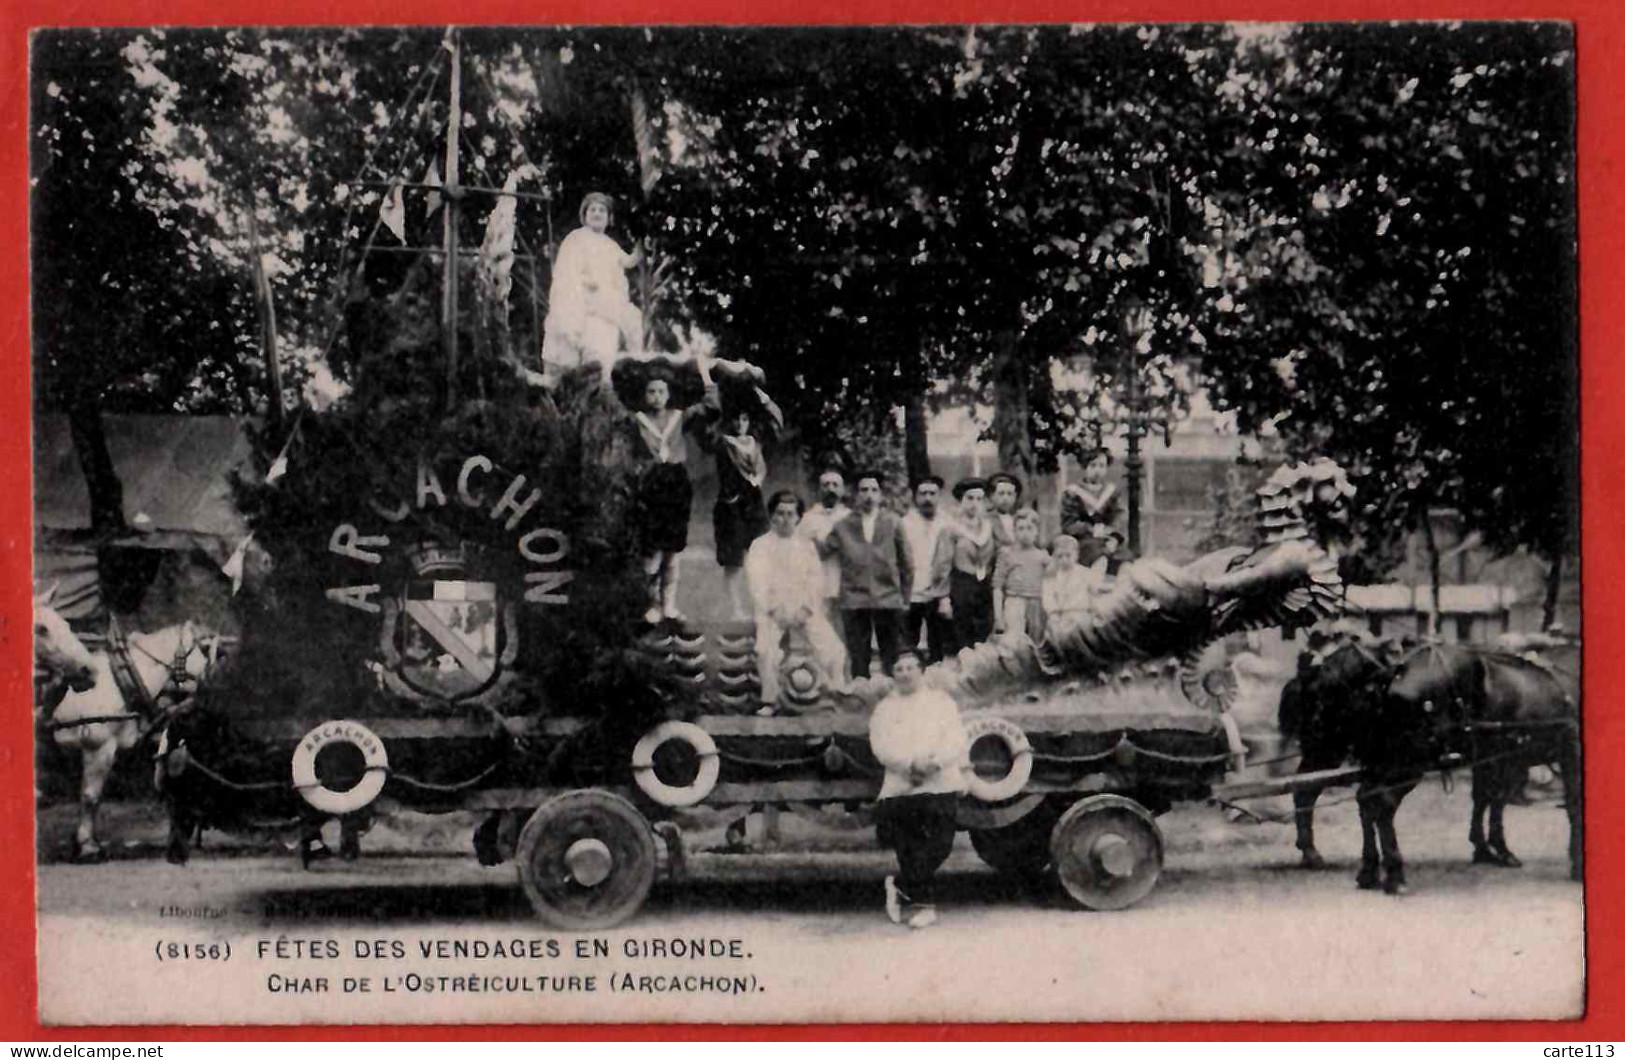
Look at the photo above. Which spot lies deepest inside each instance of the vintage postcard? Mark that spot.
(746, 525)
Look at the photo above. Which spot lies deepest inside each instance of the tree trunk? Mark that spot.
(96, 461)
(1434, 564)
(1554, 586)
(916, 447)
(1011, 413)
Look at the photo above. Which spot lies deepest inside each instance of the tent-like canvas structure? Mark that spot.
(177, 494)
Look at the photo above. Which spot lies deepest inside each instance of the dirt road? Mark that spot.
(1233, 930)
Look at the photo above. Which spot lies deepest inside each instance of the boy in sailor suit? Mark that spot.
(664, 492)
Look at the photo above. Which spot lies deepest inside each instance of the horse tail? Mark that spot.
(1289, 715)
(1483, 682)
(1572, 771)
(1569, 764)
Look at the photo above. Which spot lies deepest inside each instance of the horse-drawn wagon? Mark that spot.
(456, 622)
(463, 685)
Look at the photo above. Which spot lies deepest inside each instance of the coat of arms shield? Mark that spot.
(449, 636)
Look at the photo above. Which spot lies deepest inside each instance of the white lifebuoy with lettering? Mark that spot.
(1021, 759)
(700, 745)
(373, 755)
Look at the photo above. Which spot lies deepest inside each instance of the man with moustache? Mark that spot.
(877, 571)
(815, 526)
(923, 526)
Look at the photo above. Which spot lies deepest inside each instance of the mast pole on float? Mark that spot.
(454, 194)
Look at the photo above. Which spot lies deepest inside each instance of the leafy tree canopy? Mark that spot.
(1362, 238)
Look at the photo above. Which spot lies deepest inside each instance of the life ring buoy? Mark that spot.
(700, 744)
(1021, 759)
(373, 755)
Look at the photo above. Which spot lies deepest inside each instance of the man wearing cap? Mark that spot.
(787, 588)
(962, 566)
(923, 526)
(877, 572)
(815, 526)
(1004, 497)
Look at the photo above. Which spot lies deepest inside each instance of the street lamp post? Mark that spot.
(1137, 415)
(1132, 464)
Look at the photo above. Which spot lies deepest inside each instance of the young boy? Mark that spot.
(664, 492)
(1018, 581)
(1069, 588)
(1004, 494)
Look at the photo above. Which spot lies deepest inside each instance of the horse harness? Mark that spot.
(147, 702)
(49, 691)
(1457, 720)
(1487, 740)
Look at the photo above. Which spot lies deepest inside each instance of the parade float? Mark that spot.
(454, 621)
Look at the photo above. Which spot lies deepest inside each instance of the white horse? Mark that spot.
(99, 723)
(59, 655)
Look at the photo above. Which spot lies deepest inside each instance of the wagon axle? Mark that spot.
(590, 861)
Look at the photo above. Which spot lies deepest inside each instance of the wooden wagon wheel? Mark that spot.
(586, 860)
(1107, 851)
(1021, 848)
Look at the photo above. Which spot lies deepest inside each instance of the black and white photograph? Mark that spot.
(952, 523)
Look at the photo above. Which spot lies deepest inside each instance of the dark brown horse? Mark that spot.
(1502, 714)
(1324, 707)
(1437, 705)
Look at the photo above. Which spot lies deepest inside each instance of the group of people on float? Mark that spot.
(886, 580)
(862, 581)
